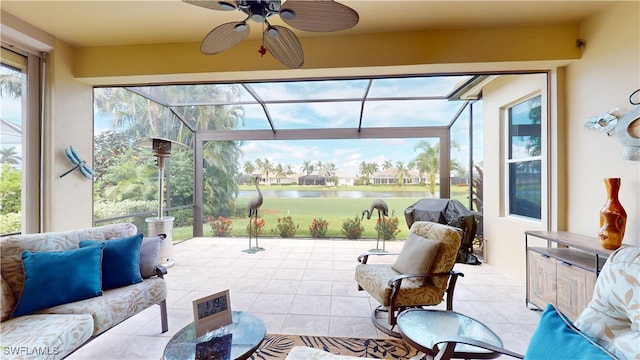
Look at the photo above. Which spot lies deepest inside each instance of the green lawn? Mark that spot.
(334, 210)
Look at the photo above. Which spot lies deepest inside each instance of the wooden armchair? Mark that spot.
(420, 276)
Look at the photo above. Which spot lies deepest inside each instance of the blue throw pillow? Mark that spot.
(58, 277)
(557, 338)
(120, 263)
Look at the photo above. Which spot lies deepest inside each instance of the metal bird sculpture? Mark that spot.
(383, 210)
(253, 206)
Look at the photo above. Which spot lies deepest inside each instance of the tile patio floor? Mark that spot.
(300, 286)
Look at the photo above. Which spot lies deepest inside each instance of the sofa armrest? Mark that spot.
(161, 271)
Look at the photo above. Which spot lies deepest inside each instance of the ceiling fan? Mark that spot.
(282, 43)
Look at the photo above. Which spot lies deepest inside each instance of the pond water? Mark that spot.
(355, 194)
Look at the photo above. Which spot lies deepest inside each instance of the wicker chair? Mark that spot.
(420, 276)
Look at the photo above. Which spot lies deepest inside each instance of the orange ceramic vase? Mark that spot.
(613, 218)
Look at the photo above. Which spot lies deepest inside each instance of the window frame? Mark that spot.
(509, 160)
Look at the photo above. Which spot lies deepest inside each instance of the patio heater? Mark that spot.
(161, 149)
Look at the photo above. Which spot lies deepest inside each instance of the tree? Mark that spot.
(135, 117)
(9, 156)
(428, 162)
(280, 171)
(11, 84)
(402, 173)
(368, 169)
(307, 167)
(248, 168)
(387, 164)
(10, 189)
(265, 166)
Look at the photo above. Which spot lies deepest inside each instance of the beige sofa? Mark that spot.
(57, 331)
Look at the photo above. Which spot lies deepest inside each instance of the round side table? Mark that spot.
(235, 341)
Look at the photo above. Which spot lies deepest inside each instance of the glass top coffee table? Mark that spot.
(447, 333)
(235, 341)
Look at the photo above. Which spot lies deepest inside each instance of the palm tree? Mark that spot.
(280, 171)
(428, 162)
(265, 166)
(368, 169)
(387, 164)
(289, 169)
(307, 167)
(248, 168)
(11, 85)
(402, 173)
(9, 156)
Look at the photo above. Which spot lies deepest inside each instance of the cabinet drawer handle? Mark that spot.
(545, 256)
(565, 264)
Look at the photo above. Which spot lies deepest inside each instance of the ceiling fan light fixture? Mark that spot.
(240, 27)
(272, 32)
(227, 6)
(259, 18)
(287, 14)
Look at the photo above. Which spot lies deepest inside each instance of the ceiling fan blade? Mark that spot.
(213, 4)
(318, 16)
(285, 46)
(223, 37)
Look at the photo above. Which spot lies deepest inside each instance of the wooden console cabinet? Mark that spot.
(564, 272)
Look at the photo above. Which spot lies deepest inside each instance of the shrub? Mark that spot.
(285, 228)
(10, 223)
(220, 226)
(352, 228)
(387, 227)
(256, 228)
(318, 228)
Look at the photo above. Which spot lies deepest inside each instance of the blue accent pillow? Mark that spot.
(58, 277)
(557, 338)
(120, 263)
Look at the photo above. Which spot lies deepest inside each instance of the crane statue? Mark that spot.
(383, 210)
(253, 206)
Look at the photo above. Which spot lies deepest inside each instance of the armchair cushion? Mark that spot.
(417, 255)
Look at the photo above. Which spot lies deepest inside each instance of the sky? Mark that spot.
(347, 155)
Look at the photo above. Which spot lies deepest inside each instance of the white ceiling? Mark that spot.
(102, 23)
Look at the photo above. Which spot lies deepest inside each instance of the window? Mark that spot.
(525, 158)
(20, 94)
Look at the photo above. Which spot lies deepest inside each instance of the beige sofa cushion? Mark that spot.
(116, 305)
(7, 301)
(52, 336)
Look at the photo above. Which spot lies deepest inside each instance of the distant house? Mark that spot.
(345, 180)
(312, 180)
(389, 176)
